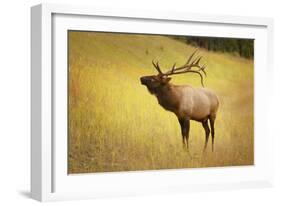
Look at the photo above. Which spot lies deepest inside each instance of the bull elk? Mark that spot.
(188, 103)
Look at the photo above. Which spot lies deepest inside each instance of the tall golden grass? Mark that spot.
(116, 125)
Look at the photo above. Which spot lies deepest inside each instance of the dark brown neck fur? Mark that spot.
(166, 97)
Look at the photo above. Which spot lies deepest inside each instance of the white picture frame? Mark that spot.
(49, 180)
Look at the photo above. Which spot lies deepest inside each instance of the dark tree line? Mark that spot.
(242, 47)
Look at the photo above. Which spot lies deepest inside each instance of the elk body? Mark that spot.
(186, 102)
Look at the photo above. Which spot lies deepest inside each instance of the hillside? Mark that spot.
(115, 124)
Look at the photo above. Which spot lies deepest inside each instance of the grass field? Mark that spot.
(116, 125)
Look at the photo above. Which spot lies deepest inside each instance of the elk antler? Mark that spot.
(157, 67)
(187, 67)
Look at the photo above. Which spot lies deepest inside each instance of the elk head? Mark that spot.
(155, 82)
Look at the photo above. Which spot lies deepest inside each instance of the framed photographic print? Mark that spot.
(135, 102)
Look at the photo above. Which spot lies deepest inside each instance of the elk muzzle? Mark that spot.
(144, 80)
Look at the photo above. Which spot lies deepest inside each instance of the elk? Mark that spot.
(186, 102)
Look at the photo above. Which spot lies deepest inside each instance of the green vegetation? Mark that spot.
(116, 125)
(241, 47)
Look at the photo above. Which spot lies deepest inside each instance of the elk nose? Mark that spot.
(142, 80)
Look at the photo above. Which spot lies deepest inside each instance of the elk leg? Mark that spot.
(184, 130)
(212, 123)
(187, 126)
(207, 132)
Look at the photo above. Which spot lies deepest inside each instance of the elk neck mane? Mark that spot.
(167, 96)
